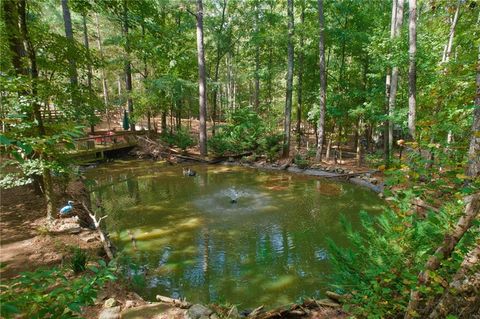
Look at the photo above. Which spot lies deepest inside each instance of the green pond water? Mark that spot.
(270, 247)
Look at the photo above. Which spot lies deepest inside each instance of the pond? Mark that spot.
(227, 235)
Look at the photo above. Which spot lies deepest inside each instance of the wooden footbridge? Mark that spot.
(98, 145)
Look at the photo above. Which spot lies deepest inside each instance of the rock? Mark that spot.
(380, 195)
(109, 303)
(231, 159)
(129, 304)
(368, 175)
(197, 311)
(351, 172)
(374, 181)
(214, 316)
(110, 313)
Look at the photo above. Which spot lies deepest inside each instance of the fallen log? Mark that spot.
(103, 238)
(174, 302)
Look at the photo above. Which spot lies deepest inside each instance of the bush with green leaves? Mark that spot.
(53, 293)
(78, 261)
(389, 251)
(300, 161)
(181, 138)
(245, 131)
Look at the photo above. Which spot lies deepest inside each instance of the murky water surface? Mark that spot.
(229, 234)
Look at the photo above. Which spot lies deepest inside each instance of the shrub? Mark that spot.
(180, 138)
(271, 145)
(300, 161)
(78, 261)
(50, 293)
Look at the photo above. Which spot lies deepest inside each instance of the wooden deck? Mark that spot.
(95, 146)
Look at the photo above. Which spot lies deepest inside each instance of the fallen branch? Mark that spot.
(174, 302)
(103, 238)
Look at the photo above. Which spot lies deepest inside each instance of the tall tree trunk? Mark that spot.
(300, 77)
(202, 83)
(89, 68)
(46, 175)
(128, 65)
(412, 68)
(473, 168)
(323, 84)
(257, 60)
(444, 251)
(12, 30)
(67, 20)
(388, 83)
(217, 67)
(104, 77)
(394, 84)
(288, 98)
(87, 48)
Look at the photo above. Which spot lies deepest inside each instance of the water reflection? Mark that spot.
(269, 247)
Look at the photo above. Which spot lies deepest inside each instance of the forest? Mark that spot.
(383, 92)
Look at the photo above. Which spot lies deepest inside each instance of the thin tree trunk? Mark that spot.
(217, 67)
(257, 60)
(89, 67)
(202, 83)
(128, 65)
(46, 175)
(412, 68)
(473, 168)
(67, 20)
(448, 47)
(388, 83)
(288, 98)
(323, 84)
(300, 78)
(444, 251)
(394, 83)
(104, 77)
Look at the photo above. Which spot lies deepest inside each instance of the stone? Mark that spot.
(231, 159)
(110, 313)
(109, 303)
(129, 304)
(197, 311)
(374, 181)
(351, 172)
(214, 316)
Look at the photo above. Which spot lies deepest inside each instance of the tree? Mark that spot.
(300, 75)
(67, 20)
(412, 69)
(323, 83)
(128, 65)
(288, 97)
(202, 82)
(394, 78)
(473, 167)
(46, 175)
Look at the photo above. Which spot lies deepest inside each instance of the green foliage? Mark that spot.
(389, 251)
(180, 138)
(78, 261)
(245, 131)
(301, 161)
(52, 293)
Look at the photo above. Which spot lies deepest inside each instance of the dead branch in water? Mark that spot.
(174, 302)
(103, 238)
